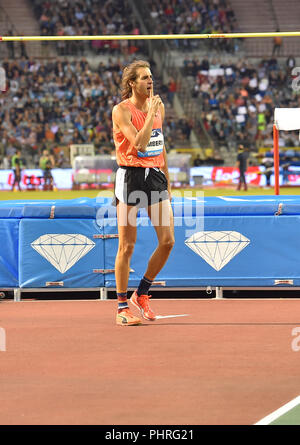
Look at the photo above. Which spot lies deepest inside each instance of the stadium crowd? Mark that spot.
(56, 103)
(51, 104)
(116, 17)
(238, 98)
(89, 17)
(194, 17)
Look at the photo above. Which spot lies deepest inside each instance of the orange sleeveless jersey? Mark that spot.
(127, 154)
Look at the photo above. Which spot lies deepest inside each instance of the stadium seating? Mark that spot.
(238, 99)
(85, 76)
(70, 103)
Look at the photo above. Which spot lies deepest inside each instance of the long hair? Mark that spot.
(129, 75)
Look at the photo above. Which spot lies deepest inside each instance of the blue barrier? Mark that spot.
(247, 241)
(9, 234)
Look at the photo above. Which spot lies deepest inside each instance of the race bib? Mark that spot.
(155, 145)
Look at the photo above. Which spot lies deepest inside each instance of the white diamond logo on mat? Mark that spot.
(62, 250)
(217, 248)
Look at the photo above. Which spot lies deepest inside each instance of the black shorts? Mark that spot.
(139, 186)
(47, 174)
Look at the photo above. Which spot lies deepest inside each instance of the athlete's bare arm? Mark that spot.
(165, 167)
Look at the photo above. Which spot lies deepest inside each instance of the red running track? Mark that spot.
(229, 362)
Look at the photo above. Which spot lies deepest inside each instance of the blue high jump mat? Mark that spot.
(219, 241)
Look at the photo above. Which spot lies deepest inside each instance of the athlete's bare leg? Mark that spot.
(161, 216)
(127, 238)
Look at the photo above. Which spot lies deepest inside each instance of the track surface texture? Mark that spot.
(229, 362)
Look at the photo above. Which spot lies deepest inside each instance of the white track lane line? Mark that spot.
(158, 317)
(279, 412)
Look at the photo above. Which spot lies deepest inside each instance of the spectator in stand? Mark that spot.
(277, 44)
(49, 135)
(290, 64)
(23, 51)
(11, 45)
(172, 88)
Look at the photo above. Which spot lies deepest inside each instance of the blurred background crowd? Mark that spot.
(216, 96)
